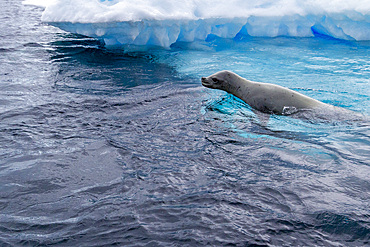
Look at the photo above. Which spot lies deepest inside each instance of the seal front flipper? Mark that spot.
(263, 118)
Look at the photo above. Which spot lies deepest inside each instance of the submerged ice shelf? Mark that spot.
(165, 22)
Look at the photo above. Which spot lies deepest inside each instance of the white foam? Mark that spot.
(164, 22)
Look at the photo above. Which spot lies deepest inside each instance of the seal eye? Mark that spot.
(215, 80)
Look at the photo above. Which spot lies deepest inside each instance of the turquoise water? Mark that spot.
(103, 146)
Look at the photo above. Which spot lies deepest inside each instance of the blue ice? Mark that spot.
(163, 23)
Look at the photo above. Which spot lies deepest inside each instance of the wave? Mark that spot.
(165, 22)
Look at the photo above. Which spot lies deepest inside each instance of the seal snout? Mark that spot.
(205, 82)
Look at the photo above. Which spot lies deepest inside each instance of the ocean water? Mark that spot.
(123, 146)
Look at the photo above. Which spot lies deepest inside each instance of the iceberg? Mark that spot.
(165, 22)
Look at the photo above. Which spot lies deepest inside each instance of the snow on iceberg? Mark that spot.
(165, 22)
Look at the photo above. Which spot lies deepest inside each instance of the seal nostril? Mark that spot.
(203, 78)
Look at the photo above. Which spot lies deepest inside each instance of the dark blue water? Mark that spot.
(105, 147)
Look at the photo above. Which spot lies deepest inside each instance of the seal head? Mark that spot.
(220, 80)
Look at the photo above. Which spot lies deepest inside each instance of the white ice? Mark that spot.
(165, 22)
